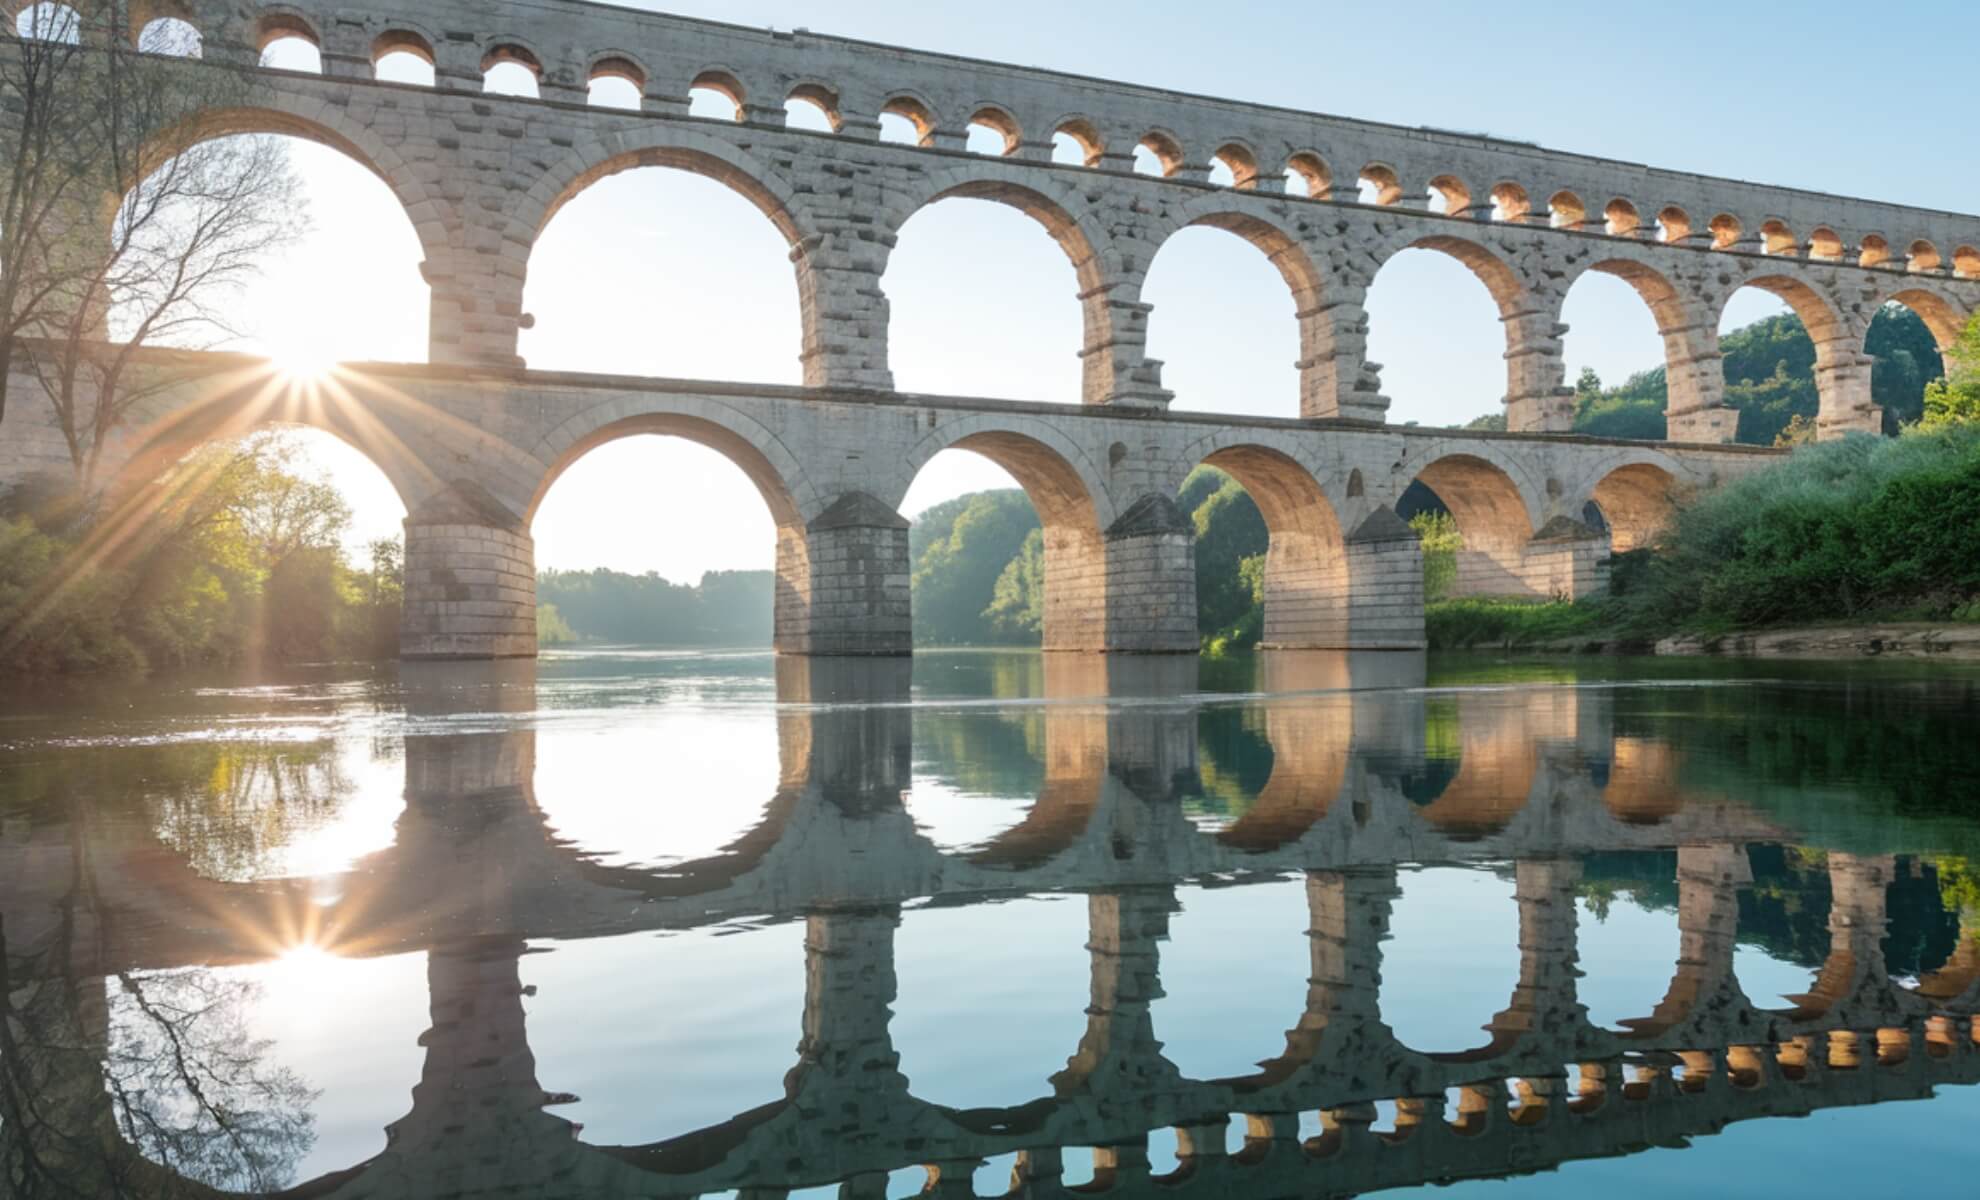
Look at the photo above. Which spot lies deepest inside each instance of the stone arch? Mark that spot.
(1317, 368)
(998, 119)
(1085, 133)
(1966, 262)
(1726, 231)
(1620, 218)
(277, 22)
(682, 148)
(1697, 384)
(1310, 168)
(1241, 161)
(1114, 326)
(1534, 370)
(1306, 566)
(1074, 508)
(1824, 245)
(403, 38)
(246, 400)
(724, 82)
(617, 64)
(1565, 210)
(1497, 763)
(1493, 514)
(1510, 203)
(1923, 258)
(1842, 369)
(1875, 251)
(1673, 225)
(507, 48)
(1167, 149)
(1454, 192)
(915, 109)
(1382, 184)
(1944, 317)
(822, 96)
(1637, 501)
(777, 474)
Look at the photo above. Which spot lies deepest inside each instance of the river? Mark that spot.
(646, 923)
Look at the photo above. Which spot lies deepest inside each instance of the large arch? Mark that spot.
(1842, 369)
(1074, 511)
(1637, 501)
(1306, 581)
(1015, 332)
(1695, 382)
(1531, 353)
(1302, 280)
(776, 473)
(1113, 336)
(1493, 517)
(708, 156)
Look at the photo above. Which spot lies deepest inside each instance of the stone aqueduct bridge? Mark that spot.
(475, 876)
(473, 441)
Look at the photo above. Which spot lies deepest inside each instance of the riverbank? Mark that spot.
(1562, 628)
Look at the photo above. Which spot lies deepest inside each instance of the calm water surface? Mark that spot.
(654, 924)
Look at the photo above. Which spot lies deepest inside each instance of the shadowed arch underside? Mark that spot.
(1306, 567)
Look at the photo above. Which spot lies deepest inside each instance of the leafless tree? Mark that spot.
(128, 224)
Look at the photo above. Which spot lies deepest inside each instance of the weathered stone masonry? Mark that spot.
(476, 440)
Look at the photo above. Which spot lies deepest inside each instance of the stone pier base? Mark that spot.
(470, 593)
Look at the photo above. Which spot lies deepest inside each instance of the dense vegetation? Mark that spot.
(728, 608)
(1862, 528)
(240, 561)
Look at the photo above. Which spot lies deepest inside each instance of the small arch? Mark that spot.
(1307, 175)
(1966, 262)
(289, 47)
(1922, 257)
(994, 132)
(717, 95)
(907, 120)
(1939, 315)
(1824, 245)
(1673, 225)
(615, 81)
(511, 70)
(1077, 142)
(402, 56)
(46, 22)
(1726, 231)
(1620, 219)
(173, 37)
(1776, 239)
(815, 107)
(1510, 203)
(1637, 502)
(1235, 166)
(1874, 252)
(1566, 211)
(1158, 153)
(1449, 195)
(1378, 184)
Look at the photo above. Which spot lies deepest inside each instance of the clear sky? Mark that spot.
(662, 273)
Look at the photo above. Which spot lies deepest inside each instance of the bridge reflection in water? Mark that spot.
(1369, 772)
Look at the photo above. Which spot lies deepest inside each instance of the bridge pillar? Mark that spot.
(1384, 584)
(1545, 1001)
(1120, 1057)
(848, 1073)
(1336, 380)
(1538, 399)
(1842, 377)
(1150, 581)
(1567, 560)
(470, 590)
(1116, 368)
(1696, 370)
(842, 582)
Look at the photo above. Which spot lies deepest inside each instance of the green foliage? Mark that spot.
(241, 560)
(728, 608)
(1017, 604)
(1441, 540)
(1955, 400)
(959, 550)
(1770, 380)
(1229, 532)
(1475, 621)
(1843, 529)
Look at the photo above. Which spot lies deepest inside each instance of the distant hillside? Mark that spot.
(727, 608)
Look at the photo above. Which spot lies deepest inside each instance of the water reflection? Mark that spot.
(683, 925)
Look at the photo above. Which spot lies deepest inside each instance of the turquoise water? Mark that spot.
(627, 923)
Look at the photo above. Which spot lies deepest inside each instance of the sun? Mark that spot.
(301, 358)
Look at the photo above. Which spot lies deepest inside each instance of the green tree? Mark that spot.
(1017, 604)
(1955, 399)
(959, 553)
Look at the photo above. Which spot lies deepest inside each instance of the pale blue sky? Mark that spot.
(660, 273)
